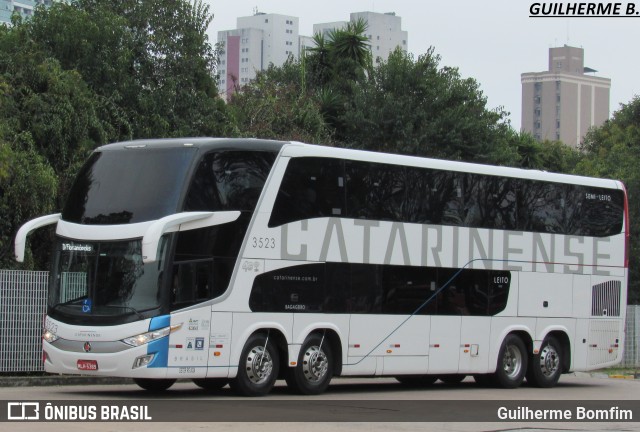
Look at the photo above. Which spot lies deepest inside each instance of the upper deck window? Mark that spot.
(128, 186)
(229, 180)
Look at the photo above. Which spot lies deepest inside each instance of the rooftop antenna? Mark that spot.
(255, 10)
(568, 32)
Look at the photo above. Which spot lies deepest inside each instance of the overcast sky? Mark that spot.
(493, 41)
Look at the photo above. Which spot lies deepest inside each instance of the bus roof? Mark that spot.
(204, 144)
(297, 149)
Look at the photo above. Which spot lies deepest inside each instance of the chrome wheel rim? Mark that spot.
(512, 361)
(259, 365)
(314, 364)
(549, 361)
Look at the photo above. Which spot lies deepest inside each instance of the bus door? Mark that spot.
(444, 344)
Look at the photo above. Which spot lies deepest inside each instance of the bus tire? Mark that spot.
(546, 366)
(314, 369)
(512, 363)
(210, 384)
(417, 380)
(452, 379)
(258, 367)
(154, 385)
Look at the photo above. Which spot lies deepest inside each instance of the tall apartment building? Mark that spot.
(563, 102)
(23, 7)
(384, 31)
(257, 42)
(264, 39)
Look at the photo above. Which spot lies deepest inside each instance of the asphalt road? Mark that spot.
(349, 404)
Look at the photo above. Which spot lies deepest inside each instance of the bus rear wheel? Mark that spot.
(258, 367)
(546, 366)
(512, 363)
(154, 385)
(314, 369)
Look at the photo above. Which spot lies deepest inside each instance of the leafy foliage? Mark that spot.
(152, 60)
(613, 151)
(77, 76)
(418, 108)
(275, 107)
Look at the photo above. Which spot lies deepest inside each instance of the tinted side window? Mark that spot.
(311, 188)
(366, 289)
(291, 289)
(489, 202)
(406, 289)
(541, 207)
(601, 211)
(433, 197)
(379, 289)
(375, 191)
(229, 180)
(322, 187)
(204, 261)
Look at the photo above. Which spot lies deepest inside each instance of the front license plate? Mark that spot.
(88, 365)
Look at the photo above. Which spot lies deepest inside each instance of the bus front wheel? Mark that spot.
(546, 366)
(258, 367)
(154, 385)
(314, 370)
(512, 363)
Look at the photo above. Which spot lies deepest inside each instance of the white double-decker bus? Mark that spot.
(244, 261)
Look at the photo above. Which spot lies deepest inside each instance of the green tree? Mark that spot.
(27, 189)
(613, 151)
(274, 106)
(342, 55)
(419, 108)
(150, 60)
(77, 76)
(60, 117)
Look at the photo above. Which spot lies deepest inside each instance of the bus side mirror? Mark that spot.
(180, 222)
(21, 237)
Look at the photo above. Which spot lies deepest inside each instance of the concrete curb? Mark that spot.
(59, 380)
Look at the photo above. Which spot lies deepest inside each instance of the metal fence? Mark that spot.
(632, 338)
(23, 297)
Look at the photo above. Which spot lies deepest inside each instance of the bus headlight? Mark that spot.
(49, 336)
(147, 337)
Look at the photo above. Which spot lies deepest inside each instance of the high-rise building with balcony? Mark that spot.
(563, 102)
(257, 42)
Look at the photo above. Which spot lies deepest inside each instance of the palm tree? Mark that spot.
(351, 43)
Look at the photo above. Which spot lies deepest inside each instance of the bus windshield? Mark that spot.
(104, 281)
(128, 186)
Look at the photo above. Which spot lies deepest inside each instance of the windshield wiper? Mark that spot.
(131, 310)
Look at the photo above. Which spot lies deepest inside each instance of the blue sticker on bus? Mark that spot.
(86, 306)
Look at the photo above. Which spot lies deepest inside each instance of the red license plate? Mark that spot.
(89, 365)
